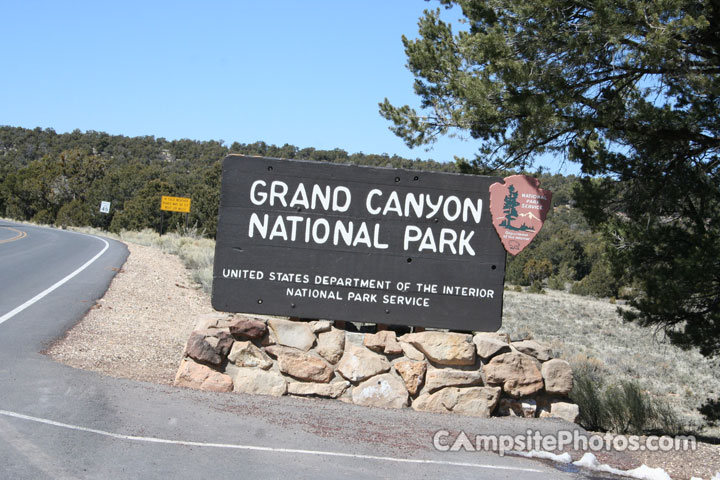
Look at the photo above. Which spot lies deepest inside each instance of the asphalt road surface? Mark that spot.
(59, 422)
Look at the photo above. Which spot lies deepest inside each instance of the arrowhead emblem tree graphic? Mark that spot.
(518, 208)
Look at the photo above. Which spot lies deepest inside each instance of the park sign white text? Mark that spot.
(356, 243)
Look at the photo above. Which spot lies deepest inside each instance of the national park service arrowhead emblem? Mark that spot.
(518, 208)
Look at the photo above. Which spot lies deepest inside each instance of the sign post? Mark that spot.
(363, 244)
(104, 207)
(174, 204)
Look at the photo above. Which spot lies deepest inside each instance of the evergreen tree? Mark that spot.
(628, 89)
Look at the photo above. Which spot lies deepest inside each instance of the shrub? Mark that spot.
(629, 409)
(623, 408)
(587, 392)
(74, 213)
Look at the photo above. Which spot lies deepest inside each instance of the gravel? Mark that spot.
(139, 328)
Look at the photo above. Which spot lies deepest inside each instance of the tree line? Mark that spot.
(60, 179)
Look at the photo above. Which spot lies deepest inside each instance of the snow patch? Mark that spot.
(643, 472)
(564, 458)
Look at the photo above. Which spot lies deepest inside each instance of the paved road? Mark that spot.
(58, 422)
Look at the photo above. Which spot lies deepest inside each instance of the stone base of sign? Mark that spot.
(479, 375)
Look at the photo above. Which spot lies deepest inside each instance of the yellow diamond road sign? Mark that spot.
(175, 204)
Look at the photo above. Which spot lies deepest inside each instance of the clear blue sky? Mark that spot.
(308, 73)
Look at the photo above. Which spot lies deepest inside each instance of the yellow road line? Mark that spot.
(19, 235)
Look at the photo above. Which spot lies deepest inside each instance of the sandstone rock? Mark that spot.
(209, 346)
(259, 381)
(385, 391)
(217, 382)
(248, 328)
(443, 348)
(302, 365)
(516, 372)
(500, 337)
(383, 342)
(213, 320)
(330, 345)
(195, 375)
(558, 376)
(534, 349)
(412, 373)
(475, 401)
(565, 410)
(319, 326)
(437, 378)
(245, 354)
(490, 344)
(329, 390)
(292, 334)
(268, 339)
(517, 407)
(411, 352)
(355, 338)
(358, 363)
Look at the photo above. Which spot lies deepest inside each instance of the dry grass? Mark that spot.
(583, 329)
(197, 253)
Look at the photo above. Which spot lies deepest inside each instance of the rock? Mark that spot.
(412, 373)
(383, 342)
(292, 334)
(489, 344)
(475, 401)
(259, 381)
(268, 339)
(302, 365)
(534, 349)
(245, 354)
(384, 391)
(217, 382)
(443, 348)
(500, 337)
(517, 407)
(328, 390)
(331, 345)
(516, 372)
(248, 328)
(565, 410)
(558, 376)
(207, 321)
(411, 352)
(358, 363)
(209, 346)
(437, 378)
(319, 326)
(195, 375)
(356, 338)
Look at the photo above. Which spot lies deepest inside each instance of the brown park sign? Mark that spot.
(363, 244)
(519, 208)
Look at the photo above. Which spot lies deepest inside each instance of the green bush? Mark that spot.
(624, 408)
(74, 213)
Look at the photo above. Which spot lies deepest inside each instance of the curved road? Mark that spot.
(59, 422)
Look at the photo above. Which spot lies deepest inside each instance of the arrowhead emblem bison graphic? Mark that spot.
(518, 208)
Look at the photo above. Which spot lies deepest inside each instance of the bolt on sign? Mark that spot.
(175, 204)
(354, 243)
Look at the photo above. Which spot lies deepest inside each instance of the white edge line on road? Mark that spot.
(49, 290)
(261, 449)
